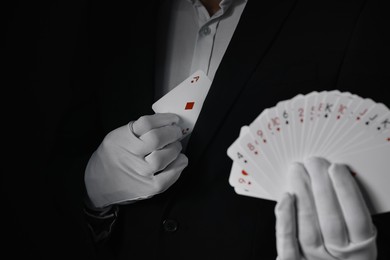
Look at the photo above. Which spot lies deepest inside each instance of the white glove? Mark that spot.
(124, 166)
(326, 217)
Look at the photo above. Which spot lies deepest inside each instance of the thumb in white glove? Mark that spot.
(325, 218)
(136, 161)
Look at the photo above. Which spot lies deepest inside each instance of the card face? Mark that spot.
(371, 169)
(259, 170)
(342, 122)
(376, 121)
(241, 176)
(185, 100)
(339, 126)
(259, 147)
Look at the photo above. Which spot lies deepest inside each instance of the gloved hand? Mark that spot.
(324, 216)
(136, 161)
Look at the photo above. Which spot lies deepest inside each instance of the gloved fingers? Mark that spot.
(171, 173)
(286, 229)
(146, 123)
(329, 212)
(356, 214)
(309, 232)
(159, 159)
(159, 137)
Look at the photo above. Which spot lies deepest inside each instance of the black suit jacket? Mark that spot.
(279, 49)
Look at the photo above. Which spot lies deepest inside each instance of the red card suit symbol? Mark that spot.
(189, 105)
(244, 173)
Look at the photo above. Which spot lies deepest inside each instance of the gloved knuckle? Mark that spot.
(309, 241)
(145, 122)
(158, 186)
(144, 171)
(175, 149)
(179, 146)
(155, 166)
(184, 159)
(108, 141)
(153, 140)
(178, 131)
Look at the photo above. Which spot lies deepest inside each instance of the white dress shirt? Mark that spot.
(193, 40)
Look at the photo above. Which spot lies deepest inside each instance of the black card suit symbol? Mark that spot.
(184, 131)
(195, 79)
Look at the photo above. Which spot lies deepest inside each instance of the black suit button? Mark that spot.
(170, 225)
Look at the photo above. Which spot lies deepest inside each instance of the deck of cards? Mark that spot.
(339, 126)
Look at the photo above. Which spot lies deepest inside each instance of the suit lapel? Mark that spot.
(260, 23)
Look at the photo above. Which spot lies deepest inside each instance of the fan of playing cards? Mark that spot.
(339, 126)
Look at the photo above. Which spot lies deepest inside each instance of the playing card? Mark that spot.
(318, 119)
(277, 129)
(185, 100)
(325, 121)
(340, 121)
(244, 184)
(241, 175)
(310, 107)
(371, 170)
(290, 110)
(298, 122)
(258, 146)
(260, 172)
(375, 121)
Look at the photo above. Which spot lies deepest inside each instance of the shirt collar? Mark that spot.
(203, 16)
(224, 4)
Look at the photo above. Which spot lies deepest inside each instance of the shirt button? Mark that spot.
(206, 30)
(170, 225)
